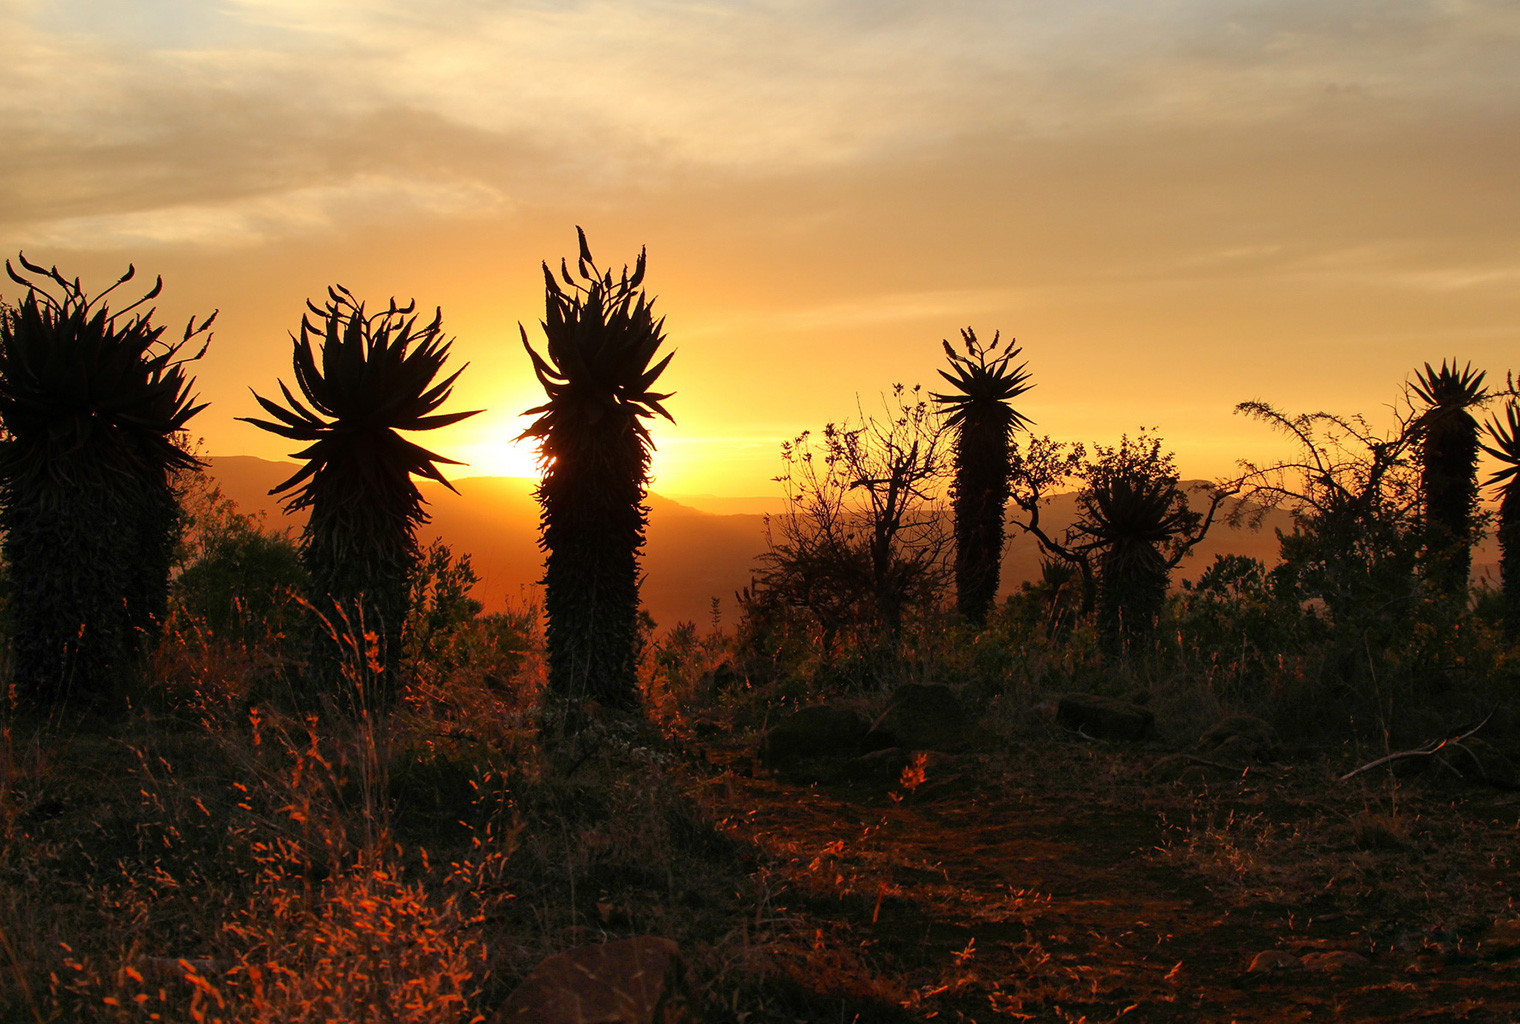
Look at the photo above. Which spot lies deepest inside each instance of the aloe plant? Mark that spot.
(984, 421)
(1505, 436)
(94, 406)
(1449, 472)
(363, 377)
(600, 339)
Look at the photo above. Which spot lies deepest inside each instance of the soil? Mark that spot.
(1061, 882)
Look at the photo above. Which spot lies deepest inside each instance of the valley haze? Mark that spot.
(692, 554)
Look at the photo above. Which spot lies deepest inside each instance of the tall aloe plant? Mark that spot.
(94, 405)
(1506, 448)
(363, 377)
(1449, 472)
(984, 421)
(600, 338)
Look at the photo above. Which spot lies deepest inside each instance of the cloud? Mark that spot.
(253, 220)
(242, 106)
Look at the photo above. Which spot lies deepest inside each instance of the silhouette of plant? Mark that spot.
(365, 377)
(1134, 526)
(1354, 494)
(1506, 448)
(93, 403)
(983, 422)
(1137, 521)
(1449, 472)
(234, 579)
(863, 540)
(600, 338)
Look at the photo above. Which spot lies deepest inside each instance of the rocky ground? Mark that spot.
(1075, 878)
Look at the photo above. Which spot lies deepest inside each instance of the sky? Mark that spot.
(1173, 205)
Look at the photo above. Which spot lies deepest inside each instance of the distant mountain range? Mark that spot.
(692, 555)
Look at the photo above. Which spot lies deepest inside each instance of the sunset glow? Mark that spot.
(1173, 209)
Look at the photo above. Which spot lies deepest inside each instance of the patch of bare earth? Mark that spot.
(1058, 881)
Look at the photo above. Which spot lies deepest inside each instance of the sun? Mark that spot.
(501, 458)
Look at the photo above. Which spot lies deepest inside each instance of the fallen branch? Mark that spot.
(1428, 750)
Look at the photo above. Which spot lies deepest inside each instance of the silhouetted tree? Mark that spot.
(600, 337)
(863, 539)
(983, 422)
(93, 404)
(366, 377)
(1134, 525)
(1354, 495)
(1506, 448)
(1449, 473)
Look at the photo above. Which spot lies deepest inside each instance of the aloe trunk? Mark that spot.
(94, 405)
(601, 336)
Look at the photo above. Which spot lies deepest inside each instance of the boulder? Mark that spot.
(818, 731)
(627, 981)
(1239, 739)
(921, 716)
(1105, 718)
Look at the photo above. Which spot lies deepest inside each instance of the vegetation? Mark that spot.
(983, 422)
(863, 542)
(1449, 472)
(1317, 811)
(1505, 436)
(365, 377)
(93, 405)
(600, 340)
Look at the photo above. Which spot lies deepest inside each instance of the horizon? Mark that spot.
(1173, 210)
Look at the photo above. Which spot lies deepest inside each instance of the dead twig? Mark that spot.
(1428, 750)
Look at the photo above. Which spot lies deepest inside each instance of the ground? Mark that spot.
(1057, 881)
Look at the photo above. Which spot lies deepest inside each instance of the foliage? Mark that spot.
(1354, 495)
(1134, 525)
(600, 338)
(234, 578)
(983, 422)
(863, 540)
(441, 604)
(1448, 445)
(1505, 446)
(365, 377)
(94, 404)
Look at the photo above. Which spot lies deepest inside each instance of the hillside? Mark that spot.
(692, 555)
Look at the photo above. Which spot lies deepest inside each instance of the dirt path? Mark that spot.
(1058, 884)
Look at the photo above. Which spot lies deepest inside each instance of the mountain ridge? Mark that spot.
(691, 556)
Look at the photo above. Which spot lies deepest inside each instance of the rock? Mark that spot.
(1105, 718)
(878, 767)
(1239, 739)
(627, 981)
(1183, 770)
(818, 731)
(1332, 960)
(1272, 960)
(921, 716)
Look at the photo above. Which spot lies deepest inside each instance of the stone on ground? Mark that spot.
(627, 981)
(1105, 718)
(921, 716)
(818, 731)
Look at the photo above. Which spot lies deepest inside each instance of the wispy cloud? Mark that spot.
(179, 105)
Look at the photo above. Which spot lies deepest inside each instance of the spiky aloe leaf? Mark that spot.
(94, 404)
(361, 379)
(598, 373)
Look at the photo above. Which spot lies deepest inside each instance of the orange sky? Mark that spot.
(1174, 207)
